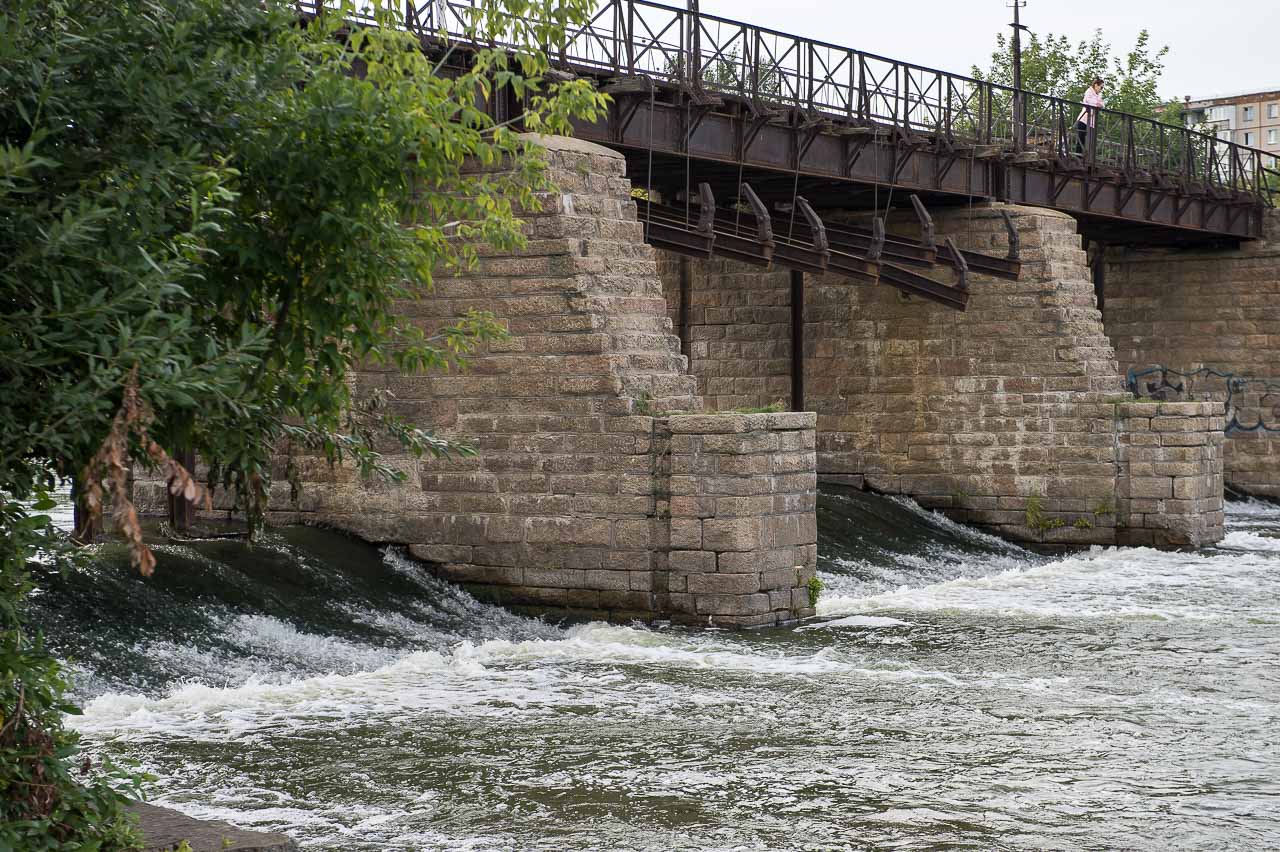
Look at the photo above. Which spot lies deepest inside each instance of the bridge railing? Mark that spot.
(775, 70)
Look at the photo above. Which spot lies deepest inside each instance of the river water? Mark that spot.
(956, 692)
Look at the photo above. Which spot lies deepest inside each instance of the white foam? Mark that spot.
(474, 678)
(859, 621)
(1243, 540)
(263, 649)
(1127, 583)
(1250, 506)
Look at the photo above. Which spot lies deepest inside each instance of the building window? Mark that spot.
(1273, 136)
(1249, 113)
(1220, 113)
(1248, 139)
(1273, 110)
(1271, 162)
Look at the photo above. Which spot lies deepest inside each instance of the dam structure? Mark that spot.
(777, 263)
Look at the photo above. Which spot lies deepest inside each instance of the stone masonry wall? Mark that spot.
(1003, 415)
(568, 504)
(1170, 487)
(1196, 311)
(743, 529)
(739, 330)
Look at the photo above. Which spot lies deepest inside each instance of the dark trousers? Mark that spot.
(1082, 137)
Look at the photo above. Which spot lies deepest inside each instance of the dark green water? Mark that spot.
(957, 693)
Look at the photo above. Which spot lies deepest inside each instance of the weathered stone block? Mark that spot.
(731, 534)
(441, 552)
(627, 601)
(686, 534)
(732, 604)
(724, 584)
(579, 531)
(611, 580)
(560, 578)
(487, 574)
(692, 561)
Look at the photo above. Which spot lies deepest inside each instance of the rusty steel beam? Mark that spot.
(754, 241)
(739, 138)
(914, 284)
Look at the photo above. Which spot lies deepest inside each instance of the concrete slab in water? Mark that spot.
(163, 829)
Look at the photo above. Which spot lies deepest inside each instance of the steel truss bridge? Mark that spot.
(708, 108)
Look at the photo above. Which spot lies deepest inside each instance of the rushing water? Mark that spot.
(956, 692)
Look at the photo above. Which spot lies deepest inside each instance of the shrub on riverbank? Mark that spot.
(207, 216)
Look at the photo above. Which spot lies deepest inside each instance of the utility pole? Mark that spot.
(1019, 103)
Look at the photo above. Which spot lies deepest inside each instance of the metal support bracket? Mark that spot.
(1015, 242)
(817, 229)
(807, 132)
(752, 131)
(764, 224)
(962, 266)
(855, 145)
(698, 113)
(706, 209)
(1097, 187)
(1059, 186)
(877, 239)
(1123, 197)
(626, 103)
(927, 236)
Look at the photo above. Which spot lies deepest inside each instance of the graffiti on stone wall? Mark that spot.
(1252, 404)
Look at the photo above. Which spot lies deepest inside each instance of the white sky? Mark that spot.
(1217, 47)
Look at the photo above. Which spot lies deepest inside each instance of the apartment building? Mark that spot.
(1249, 118)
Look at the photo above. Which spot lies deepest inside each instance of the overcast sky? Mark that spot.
(1214, 47)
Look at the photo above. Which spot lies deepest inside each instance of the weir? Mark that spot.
(726, 248)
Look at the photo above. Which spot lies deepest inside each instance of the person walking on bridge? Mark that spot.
(1087, 119)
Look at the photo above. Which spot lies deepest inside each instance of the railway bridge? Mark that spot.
(777, 261)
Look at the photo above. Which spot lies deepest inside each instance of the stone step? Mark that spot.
(649, 362)
(638, 341)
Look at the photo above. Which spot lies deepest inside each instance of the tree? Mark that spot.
(208, 215)
(1054, 66)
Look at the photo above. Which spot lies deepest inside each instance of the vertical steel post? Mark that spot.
(797, 340)
(686, 303)
(695, 44)
(1100, 272)
(628, 35)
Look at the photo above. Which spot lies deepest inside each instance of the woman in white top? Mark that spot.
(1088, 116)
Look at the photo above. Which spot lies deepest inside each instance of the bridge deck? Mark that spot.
(704, 98)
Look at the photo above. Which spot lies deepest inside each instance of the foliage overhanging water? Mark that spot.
(957, 692)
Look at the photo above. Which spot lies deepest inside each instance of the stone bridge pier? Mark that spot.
(1012, 415)
(1205, 323)
(600, 488)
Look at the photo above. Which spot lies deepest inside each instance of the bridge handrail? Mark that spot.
(771, 68)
